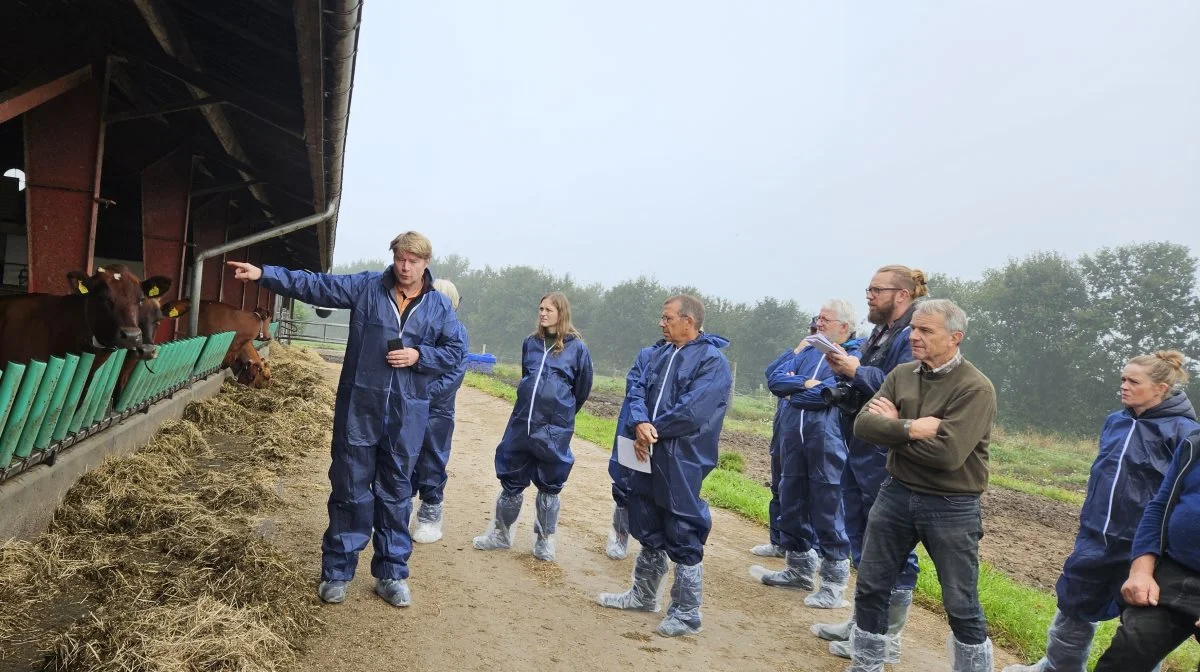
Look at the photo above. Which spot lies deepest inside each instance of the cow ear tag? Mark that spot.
(173, 312)
(154, 291)
(81, 287)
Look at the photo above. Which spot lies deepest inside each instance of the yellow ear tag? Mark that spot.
(81, 287)
(154, 291)
(100, 270)
(173, 312)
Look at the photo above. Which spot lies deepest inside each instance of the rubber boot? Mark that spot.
(835, 574)
(898, 606)
(649, 570)
(332, 592)
(868, 651)
(618, 536)
(969, 657)
(500, 532)
(768, 551)
(545, 526)
(834, 632)
(394, 591)
(799, 573)
(429, 523)
(683, 614)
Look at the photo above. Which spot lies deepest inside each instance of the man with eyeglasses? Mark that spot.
(676, 409)
(890, 304)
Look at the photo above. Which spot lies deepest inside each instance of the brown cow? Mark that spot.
(150, 314)
(217, 317)
(250, 368)
(100, 315)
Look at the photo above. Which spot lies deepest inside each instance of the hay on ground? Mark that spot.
(157, 545)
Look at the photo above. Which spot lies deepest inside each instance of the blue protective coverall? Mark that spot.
(1135, 453)
(812, 453)
(684, 393)
(537, 443)
(618, 473)
(429, 475)
(380, 413)
(773, 450)
(866, 463)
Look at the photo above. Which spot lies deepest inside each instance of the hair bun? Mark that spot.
(918, 278)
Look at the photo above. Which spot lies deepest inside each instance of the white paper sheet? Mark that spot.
(820, 342)
(627, 457)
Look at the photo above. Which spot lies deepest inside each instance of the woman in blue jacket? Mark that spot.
(403, 335)
(812, 454)
(1137, 445)
(556, 378)
(429, 476)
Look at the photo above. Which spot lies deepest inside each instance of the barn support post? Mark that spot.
(166, 199)
(64, 149)
(274, 232)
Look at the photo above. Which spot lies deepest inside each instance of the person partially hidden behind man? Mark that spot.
(936, 421)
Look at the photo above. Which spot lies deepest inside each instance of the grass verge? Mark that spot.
(1018, 615)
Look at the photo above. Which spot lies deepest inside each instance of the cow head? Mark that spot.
(113, 300)
(151, 313)
(250, 369)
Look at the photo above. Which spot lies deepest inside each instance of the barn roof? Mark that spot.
(258, 89)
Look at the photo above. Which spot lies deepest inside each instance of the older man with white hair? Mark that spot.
(936, 421)
(812, 455)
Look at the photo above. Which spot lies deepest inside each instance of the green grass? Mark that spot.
(1018, 615)
(731, 461)
(1047, 491)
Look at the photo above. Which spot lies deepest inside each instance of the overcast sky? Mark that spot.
(772, 147)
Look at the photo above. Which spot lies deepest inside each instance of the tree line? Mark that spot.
(1050, 331)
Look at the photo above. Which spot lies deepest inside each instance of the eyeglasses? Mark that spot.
(821, 318)
(873, 291)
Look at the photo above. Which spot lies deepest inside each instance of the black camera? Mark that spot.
(844, 396)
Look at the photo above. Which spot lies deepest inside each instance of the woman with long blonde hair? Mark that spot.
(556, 378)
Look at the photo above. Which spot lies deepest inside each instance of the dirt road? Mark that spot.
(502, 610)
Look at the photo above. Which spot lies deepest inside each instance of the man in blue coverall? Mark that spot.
(403, 335)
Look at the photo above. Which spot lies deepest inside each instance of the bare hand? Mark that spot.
(404, 357)
(647, 434)
(809, 384)
(641, 451)
(924, 428)
(245, 272)
(1140, 590)
(884, 407)
(843, 364)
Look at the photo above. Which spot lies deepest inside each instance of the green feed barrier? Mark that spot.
(42, 403)
(37, 412)
(57, 402)
(19, 413)
(10, 380)
(74, 394)
(274, 329)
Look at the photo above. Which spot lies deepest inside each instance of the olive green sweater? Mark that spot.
(955, 462)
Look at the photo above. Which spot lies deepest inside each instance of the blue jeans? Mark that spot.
(950, 527)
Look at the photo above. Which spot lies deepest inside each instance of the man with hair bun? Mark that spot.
(890, 303)
(935, 419)
(1137, 444)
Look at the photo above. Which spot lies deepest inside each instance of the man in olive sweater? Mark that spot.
(936, 420)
